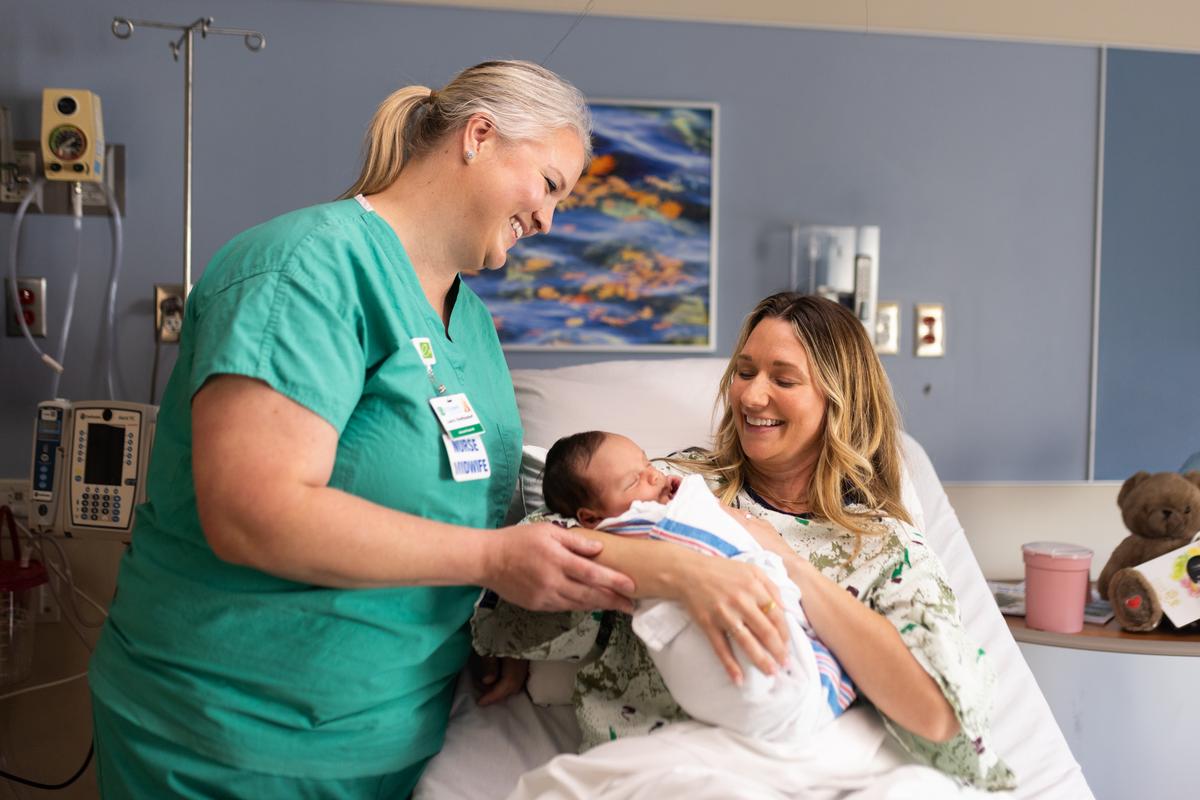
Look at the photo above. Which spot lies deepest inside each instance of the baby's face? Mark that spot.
(620, 473)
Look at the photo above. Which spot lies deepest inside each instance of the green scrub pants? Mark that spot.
(133, 763)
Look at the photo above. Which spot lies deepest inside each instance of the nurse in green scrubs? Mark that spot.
(336, 447)
(259, 645)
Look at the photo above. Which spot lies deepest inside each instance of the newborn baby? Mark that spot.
(605, 482)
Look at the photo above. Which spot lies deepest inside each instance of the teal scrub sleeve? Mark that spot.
(270, 327)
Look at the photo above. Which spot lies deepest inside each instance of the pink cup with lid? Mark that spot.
(1056, 585)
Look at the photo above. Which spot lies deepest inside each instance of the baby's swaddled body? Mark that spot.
(810, 691)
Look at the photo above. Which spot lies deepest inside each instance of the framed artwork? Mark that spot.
(630, 262)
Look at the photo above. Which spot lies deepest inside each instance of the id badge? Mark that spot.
(424, 351)
(468, 458)
(456, 416)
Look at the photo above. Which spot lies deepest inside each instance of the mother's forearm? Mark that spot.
(657, 568)
(873, 654)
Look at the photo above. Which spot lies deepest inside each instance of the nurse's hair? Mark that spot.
(859, 462)
(524, 101)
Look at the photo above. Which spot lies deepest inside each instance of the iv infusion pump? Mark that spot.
(89, 464)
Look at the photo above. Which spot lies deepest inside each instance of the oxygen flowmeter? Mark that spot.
(72, 135)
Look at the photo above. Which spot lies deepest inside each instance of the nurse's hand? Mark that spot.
(544, 567)
(498, 678)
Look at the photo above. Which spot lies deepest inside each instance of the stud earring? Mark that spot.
(470, 154)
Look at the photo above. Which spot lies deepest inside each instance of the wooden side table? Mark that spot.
(1110, 638)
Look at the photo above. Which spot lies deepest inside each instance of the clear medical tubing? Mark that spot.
(110, 307)
(69, 314)
(12, 275)
(114, 278)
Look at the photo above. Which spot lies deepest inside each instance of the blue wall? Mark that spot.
(976, 158)
(1148, 409)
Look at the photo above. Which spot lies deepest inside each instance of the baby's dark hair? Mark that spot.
(564, 488)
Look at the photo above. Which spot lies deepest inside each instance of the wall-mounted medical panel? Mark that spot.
(56, 195)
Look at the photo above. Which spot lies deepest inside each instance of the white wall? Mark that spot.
(1171, 24)
(999, 517)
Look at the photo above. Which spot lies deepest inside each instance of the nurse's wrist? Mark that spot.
(484, 559)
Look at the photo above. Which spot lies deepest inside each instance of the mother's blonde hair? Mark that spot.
(524, 101)
(859, 463)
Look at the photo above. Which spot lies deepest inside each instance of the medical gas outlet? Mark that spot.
(54, 196)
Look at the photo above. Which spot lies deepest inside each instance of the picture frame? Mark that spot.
(630, 263)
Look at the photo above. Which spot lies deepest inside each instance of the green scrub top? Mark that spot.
(271, 675)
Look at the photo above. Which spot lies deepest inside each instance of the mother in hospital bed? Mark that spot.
(809, 441)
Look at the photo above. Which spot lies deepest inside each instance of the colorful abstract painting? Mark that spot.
(630, 263)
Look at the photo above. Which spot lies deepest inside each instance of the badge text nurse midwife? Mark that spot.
(463, 437)
(468, 459)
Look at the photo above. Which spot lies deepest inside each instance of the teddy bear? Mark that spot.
(1162, 513)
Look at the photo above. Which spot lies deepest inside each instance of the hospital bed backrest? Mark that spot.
(668, 404)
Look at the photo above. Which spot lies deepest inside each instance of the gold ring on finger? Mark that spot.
(767, 607)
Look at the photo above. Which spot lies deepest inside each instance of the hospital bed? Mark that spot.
(666, 405)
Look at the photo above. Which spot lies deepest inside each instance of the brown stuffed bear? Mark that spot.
(1162, 512)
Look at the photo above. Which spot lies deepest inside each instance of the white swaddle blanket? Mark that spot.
(786, 706)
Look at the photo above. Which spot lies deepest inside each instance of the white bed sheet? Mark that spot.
(487, 749)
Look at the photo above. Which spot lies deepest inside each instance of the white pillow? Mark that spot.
(527, 494)
(909, 498)
(663, 405)
(533, 462)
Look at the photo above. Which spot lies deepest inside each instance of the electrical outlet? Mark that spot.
(14, 493)
(168, 311)
(13, 189)
(31, 298)
(931, 330)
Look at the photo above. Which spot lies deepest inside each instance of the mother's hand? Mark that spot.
(734, 602)
(545, 567)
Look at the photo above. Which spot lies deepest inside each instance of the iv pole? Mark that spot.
(122, 28)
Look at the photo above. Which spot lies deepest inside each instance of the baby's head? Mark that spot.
(595, 475)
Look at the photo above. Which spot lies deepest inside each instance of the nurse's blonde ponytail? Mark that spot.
(523, 100)
(388, 139)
